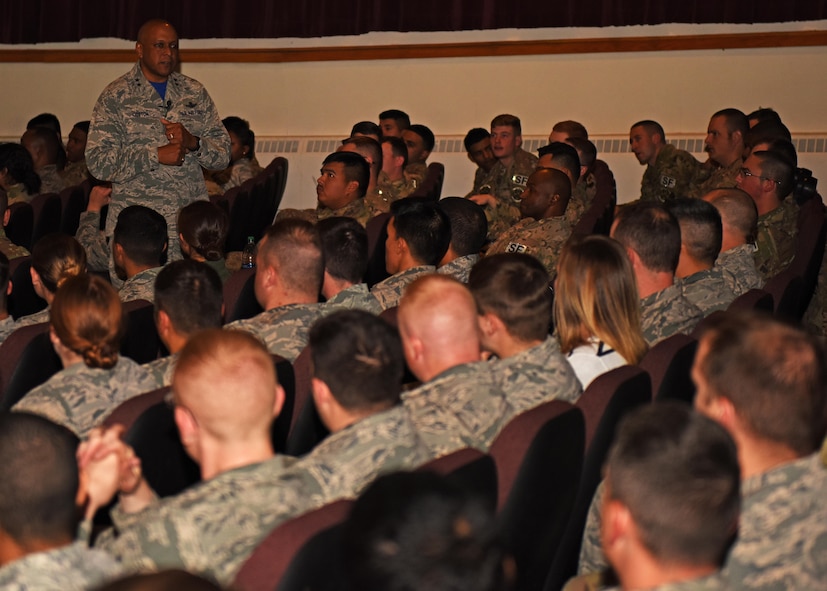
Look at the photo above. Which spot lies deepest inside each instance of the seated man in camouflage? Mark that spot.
(393, 122)
(44, 145)
(139, 249)
(514, 307)
(341, 190)
(188, 299)
(371, 151)
(393, 184)
(459, 403)
(767, 177)
(725, 145)
(7, 247)
(468, 231)
(420, 141)
(419, 233)
(543, 228)
(477, 144)
(701, 282)
(739, 223)
(670, 172)
(288, 281)
(39, 491)
(652, 239)
(565, 158)
(345, 249)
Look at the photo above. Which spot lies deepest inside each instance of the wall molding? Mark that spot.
(438, 50)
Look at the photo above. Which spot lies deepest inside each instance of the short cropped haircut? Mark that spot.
(735, 120)
(765, 133)
(424, 227)
(515, 288)
(355, 166)
(565, 155)
(190, 293)
(359, 356)
(142, 233)
(47, 120)
(571, 129)
(294, 248)
(652, 232)
(39, 479)
(701, 228)
(56, 257)
(507, 120)
(468, 224)
(401, 117)
(777, 168)
(737, 211)
(204, 227)
(773, 374)
(418, 530)
(366, 128)
(763, 114)
(345, 248)
(83, 126)
(677, 473)
(49, 140)
(785, 150)
(367, 147)
(584, 147)
(241, 129)
(651, 128)
(398, 147)
(426, 134)
(474, 136)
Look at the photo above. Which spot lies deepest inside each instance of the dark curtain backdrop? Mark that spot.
(39, 21)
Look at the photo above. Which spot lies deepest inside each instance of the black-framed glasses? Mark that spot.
(745, 172)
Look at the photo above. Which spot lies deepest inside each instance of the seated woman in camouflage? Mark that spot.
(243, 164)
(86, 330)
(202, 231)
(17, 176)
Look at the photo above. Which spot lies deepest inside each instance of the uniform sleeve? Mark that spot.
(214, 153)
(592, 559)
(93, 241)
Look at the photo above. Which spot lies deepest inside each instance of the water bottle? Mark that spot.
(248, 255)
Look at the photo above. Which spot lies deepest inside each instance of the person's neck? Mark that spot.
(395, 174)
(217, 458)
(131, 268)
(649, 282)
(407, 263)
(277, 300)
(645, 572)
(688, 266)
(506, 161)
(508, 346)
(12, 550)
(728, 160)
(757, 456)
(346, 418)
(767, 203)
(332, 286)
(446, 360)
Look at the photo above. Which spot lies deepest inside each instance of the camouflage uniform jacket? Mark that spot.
(242, 170)
(416, 173)
(543, 239)
(140, 286)
(17, 194)
(782, 536)
(355, 297)
(93, 240)
(389, 191)
(461, 407)
(6, 327)
(582, 197)
(720, 177)
(126, 132)
(161, 370)
(667, 312)
(357, 209)
(672, 176)
(479, 181)
(75, 173)
(535, 376)
(775, 240)
(212, 527)
(460, 267)
(740, 264)
(506, 185)
(9, 248)
(41, 317)
(708, 289)
(50, 179)
(592, 559)
(74, 567)
(713, 582)
(284, 330)
(80, 397)
(390, 290)
(341, 466)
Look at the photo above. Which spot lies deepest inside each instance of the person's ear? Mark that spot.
(278, 401)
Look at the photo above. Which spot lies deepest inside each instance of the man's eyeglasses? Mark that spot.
(745, 172)
(160, 45)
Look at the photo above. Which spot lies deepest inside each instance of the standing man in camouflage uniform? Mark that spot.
(725, 145)
(652, 239)
(508, 177)
(459, 403)
(768, 178)
(543, 229)
(670, 172)
(514, 303)
(152, 131)
(765, 382)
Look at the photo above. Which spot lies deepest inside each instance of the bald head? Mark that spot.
(42, 144)
(738, 216)
(438, 325)
(157, 50)
(149, 28)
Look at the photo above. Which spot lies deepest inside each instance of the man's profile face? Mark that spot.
(76, 145)
(390, 128)
(416, 147)
(538, 195)
(392, 249)
(719, 143)
(158, 52)
(642, 144)
(481, 154)
(505, 141)
(332, 188)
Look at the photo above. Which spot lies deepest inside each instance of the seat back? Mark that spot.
(23, 299)
(141, 342)
(754, 299)
(431, 187)
(377, 230)
(280, 428)
(302, 553)
(470, 469)
(240, 296)
(539, 457)
(47, 208)
(73, 203)
(21, 224)
(668, 364)
(128, 411)
(27, 359)
(787, 289)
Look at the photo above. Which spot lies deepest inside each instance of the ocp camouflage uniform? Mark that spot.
(356, 209)
(535, 376)
(74, 567)
(673, 175)
(479, 182)
(17, 194)
(126, 132)
(74, 173)
(720, 177)
(80, 397)
(341, 466)
(461, 407)
(460, 267)
(507, 184)
(212, 527)
(390, 191)
(782, 533)
(161, 370)
(283, 330)
(93, 240)
(582, 197)
(50, 179)
(775, 240)
(543, 239)
(140, 286)
(667, 312)
(708, 289)
(740, 266)
(355, 297)
(389, 291)
(9, 248)
(416, 173)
